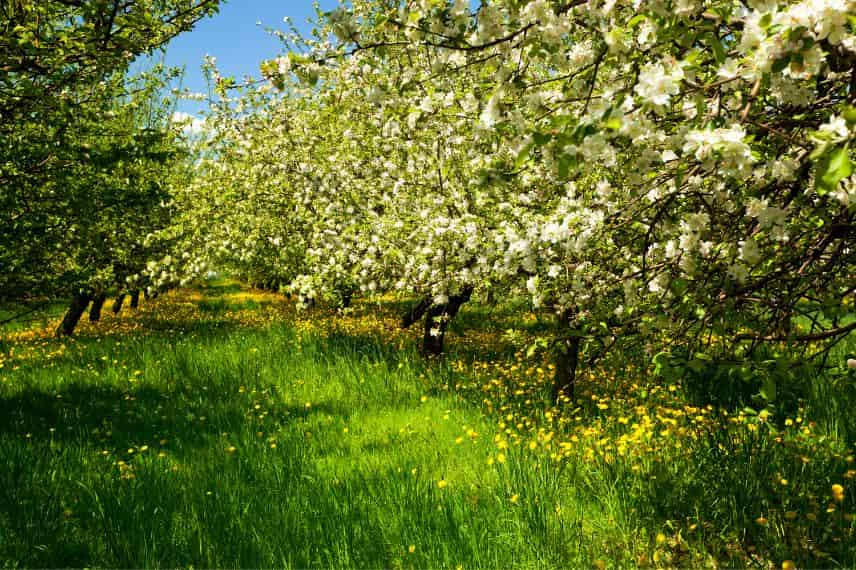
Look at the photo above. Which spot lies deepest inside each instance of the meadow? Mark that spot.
(217, 426)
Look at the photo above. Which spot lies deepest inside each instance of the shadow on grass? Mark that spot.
(64, 502)
(115, 420)
(209, 327)
(196, 399)
(220, 305)
(88, 341)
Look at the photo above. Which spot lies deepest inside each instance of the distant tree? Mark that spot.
(86, 150)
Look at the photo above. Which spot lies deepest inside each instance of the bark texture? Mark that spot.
(567, 361)
(117, 304)
(95, 309)
(437, 318)
(72, 316)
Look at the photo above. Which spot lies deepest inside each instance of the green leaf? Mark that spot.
(661, 359)
(522, 156)
(768, 389)
(541, 139)
(613, 124)
(566, 163)
(817, 154)
(837, 167)
(718, 49)
(780, 64)
(636, 20)
(679, 286)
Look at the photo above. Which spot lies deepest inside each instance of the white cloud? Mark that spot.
(190, 125)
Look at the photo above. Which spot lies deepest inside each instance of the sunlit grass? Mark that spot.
(163, 439)
(220, 427)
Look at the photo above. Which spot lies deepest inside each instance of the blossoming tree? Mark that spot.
(672, 173)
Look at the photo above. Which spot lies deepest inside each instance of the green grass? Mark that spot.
(19, 317)
(336, 461)
(206, 442)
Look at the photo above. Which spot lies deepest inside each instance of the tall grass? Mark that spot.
(265, 448)
(192, 439)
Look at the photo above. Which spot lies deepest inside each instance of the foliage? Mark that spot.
(87, 149)
(671, 175)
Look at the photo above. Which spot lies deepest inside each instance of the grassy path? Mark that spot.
(172, 440)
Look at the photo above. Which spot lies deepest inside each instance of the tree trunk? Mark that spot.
(416, 312)
(346, 295)
(567, 360)
(437, 320)
(435, 330)
(75, 310)
(95, 309)
(117, 304)
(135, 299)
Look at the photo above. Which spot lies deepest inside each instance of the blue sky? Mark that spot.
(235, 39)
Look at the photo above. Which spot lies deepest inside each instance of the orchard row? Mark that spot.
(675, 176)
(672, 175)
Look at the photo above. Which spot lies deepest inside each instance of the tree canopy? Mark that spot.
(87, 148)
(677, 174)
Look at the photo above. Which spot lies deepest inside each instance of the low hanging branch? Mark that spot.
(23, 314)
(437, 317)
(832, 333)
(416, 312)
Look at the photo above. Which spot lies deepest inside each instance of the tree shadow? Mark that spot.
(113, 419)
(64, 500)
